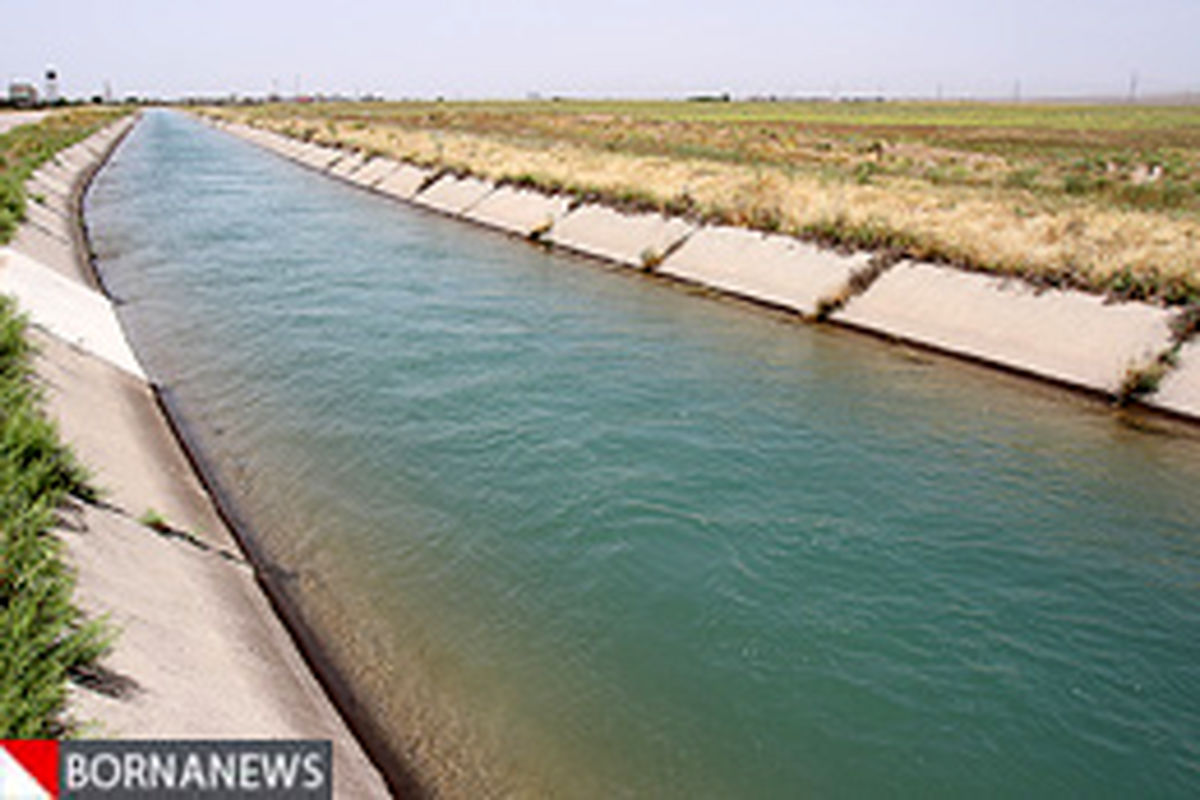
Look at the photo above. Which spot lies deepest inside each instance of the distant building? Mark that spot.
(51, 85)
(22, 94)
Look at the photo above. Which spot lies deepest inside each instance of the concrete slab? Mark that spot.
(59, 173)
(1180, 389)
(44, 182)
(347, 165)
(628, 239)
(67, 309)
(293, 150)
(286, 147)
(1070, 337)
(404, 182)
(270, 139)
(91, 148)
(374, 171)
(452, 195)
(110, 133)
(52, 200)
(48, 221)
(114, 425)
(303, 154)
(97, 144)
(519, 211)
(47, 250)
(775, 269)
(318, 157)
(203, 656)
(73, 162)
(80, 151)
(224, 668)
(255, 135)
(75, 152)
(39, 192)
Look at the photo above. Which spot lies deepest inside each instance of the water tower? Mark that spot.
(51, 85)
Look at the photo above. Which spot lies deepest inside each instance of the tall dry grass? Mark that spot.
(1052, 238)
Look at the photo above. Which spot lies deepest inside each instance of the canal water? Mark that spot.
(575, 533)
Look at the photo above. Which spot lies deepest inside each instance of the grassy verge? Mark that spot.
(24, 148)
(43, 636)
(1104, 198)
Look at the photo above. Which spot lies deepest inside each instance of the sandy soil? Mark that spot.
(11, 119)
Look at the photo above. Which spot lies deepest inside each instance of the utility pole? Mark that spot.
(1133, 86)
(1017, 90)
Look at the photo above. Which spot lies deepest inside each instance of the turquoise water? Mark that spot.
(579, 534)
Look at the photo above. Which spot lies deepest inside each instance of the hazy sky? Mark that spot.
(462, 48)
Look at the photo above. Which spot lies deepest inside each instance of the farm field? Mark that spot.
(1105, 198)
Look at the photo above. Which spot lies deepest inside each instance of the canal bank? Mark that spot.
(200, 652)
(1128, 351)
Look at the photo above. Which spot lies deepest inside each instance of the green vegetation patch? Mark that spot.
(43, 635)
(26, 147)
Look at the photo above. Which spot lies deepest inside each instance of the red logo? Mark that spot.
(28, 770)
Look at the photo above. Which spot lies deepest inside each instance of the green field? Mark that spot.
(1019, 115)
(1127, 155)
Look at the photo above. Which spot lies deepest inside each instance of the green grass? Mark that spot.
(43, 635)
(1068, 117)
(154, 520)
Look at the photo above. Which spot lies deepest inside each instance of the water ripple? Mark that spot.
(577, 534)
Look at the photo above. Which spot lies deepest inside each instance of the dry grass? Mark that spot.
(1101, 198)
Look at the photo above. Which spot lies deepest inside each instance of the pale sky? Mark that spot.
(605, 48)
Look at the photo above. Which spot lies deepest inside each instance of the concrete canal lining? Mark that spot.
(68, 309)
(453, 195)
(1066, 336)
(48, 221)
(46, 249)
(1180, 388)
(317, 157)
(778, 270)
(635, 240)
(346, 166)
(404, 182)
(518, 211)
(374, 171)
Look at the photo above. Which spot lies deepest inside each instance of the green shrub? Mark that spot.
(1022, 178)
(43, 636)
(1079, 183)
(864, 171)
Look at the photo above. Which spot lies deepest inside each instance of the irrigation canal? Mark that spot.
(574, 533)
